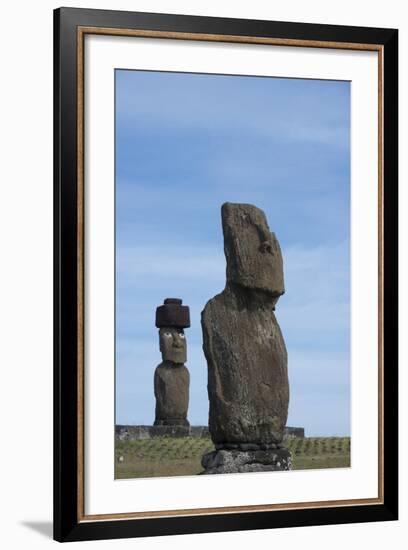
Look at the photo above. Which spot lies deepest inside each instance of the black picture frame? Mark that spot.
(68, 525)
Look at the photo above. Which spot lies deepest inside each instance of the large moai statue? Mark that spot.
(248, 385)
(171, 377)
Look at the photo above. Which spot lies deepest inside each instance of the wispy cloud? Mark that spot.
(180, 261)
(212, 104)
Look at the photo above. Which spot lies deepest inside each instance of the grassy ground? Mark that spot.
(167, 456)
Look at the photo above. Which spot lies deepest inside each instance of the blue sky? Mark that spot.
(186, 143)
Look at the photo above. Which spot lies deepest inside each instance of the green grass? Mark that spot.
(169, 456)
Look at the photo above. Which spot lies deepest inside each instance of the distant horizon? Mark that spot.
(184, 144)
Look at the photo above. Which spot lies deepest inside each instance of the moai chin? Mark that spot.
(171, 377)
(248, 385)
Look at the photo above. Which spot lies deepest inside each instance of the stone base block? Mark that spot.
(235, 461)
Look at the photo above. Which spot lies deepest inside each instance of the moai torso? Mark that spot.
(248, 386)
(171, 377)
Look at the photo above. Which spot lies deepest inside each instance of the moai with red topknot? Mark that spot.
(171, 377)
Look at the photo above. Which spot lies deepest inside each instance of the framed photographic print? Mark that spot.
(225, 306)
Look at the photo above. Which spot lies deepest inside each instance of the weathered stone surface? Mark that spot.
(171, 389)
(232, 462)
(248, 384)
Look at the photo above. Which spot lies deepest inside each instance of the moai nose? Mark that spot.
(177, 341)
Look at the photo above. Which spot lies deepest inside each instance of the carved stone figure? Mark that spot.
(171, 377)
(248, 385)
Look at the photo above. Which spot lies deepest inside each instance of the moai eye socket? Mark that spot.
(266, 246)
(167, 334)
(181, 334)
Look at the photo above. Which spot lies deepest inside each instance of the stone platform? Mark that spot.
(291, 431)
(149, 432)
(123, 432)
(226, 461)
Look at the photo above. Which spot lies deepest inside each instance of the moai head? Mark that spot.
(171, 319)
(253, 254)
(173, 345)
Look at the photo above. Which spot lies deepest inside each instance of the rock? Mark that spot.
(248, 385)
(226, 446)
(232, 462)
(249, 447)
(171, 389)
